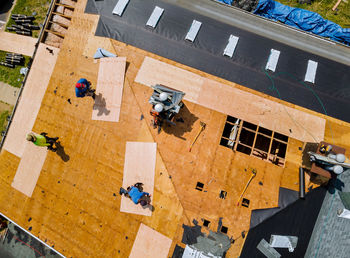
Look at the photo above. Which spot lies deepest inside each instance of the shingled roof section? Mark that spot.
(331, 235)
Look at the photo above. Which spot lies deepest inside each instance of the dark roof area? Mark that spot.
(297, 219)
(246, 67)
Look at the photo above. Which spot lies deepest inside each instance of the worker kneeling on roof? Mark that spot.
(82, 89)
(136, 194)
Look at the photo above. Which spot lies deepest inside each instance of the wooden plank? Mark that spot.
(58, 23)
(63, 15)
(54, 32)
(150, 243)
(154, 72)
(31, 98)
(234, 102)
(109, 90)
(260, 111)
(65, 5)
(29, 168)
(139, 166)
(17, 43)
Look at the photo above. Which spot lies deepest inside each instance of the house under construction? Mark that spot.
(228, 172)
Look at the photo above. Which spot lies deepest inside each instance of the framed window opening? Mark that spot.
(254, 140)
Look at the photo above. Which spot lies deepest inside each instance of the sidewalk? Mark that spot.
(8, 94)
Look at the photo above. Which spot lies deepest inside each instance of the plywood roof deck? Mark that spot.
(75, 205)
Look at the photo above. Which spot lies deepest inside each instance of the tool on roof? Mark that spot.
(202, 124)
(246, 186)
(166, 103)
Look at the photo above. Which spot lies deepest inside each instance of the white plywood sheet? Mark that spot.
(31, 98)
(29, 168)
(109, 89)
(154, 72)
(139, 166)
(17, 43)
(234, 102)
(150, 244)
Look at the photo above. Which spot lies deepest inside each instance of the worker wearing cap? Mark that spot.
(136, 194)
(42, 140)
(82, 89)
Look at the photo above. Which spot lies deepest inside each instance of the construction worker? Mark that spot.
(156, 113)
(42, 140)
(82, 89)
(136, 194)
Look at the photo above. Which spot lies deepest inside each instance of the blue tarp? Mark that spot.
(303, 19)
(226, 1)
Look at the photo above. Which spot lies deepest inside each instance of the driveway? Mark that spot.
(5, 9)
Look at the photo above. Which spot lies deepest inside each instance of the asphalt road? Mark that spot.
(5, 7)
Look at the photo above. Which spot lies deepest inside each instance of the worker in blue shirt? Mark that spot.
(136, 194)
(82, 89)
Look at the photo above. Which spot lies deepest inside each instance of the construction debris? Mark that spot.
(343, 213)
(267, 250)
(100, 53)
(289, 242)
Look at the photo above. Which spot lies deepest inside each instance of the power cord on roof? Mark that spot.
(274, 88)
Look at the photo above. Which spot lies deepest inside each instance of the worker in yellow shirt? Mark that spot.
(42, 140)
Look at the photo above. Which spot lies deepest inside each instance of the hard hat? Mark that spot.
(163, 96)
(158, 107)
(30, 137)
(340, 158)
(338, 169)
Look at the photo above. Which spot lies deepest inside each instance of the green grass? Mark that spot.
(27, 7)
(324, 8)
(9, 75)
(3, 120)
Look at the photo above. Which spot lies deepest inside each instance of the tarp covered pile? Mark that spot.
(301, 19)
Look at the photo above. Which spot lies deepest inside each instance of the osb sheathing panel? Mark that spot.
(232, 101)
(33, 92)
(73, 206)
(15, 43)
(29, 168)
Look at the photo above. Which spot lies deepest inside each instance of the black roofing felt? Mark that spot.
(297, 219)
(285, 197)
(247, 65)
